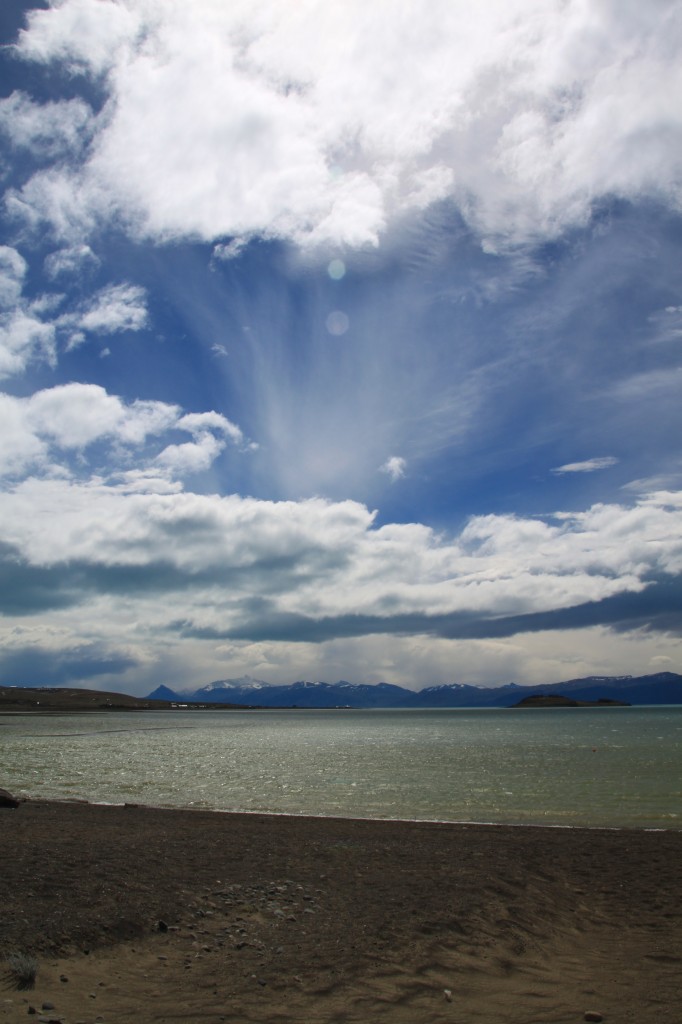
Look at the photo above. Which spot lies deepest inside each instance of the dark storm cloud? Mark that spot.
(38, 666)
(657, 609)
(27, 589)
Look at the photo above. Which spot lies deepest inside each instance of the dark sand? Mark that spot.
(276, 919)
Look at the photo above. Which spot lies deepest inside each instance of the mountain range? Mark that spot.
(660, 688)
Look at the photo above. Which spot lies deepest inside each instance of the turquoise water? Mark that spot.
(608, 767)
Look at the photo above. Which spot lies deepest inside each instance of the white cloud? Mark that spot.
(322, 560)
(69, 260)
(418, 661)
(395, 467)
(24, 338)
(328, 122)
(112, 310)
(81, 33)
(198, 423)
(587, 466)
(191, 457)
(75, 415)
(21, 446)
(29, 329)
(42, 430)
(13, 269)
(229, 250)
(196, 456)
(23, 334)
(47, 129)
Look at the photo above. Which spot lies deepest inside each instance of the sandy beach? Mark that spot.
(138, 914)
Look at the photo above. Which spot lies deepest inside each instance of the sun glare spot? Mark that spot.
(337, 323)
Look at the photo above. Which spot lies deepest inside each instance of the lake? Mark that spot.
(580, 766)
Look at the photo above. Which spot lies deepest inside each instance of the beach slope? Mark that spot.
(166, 915)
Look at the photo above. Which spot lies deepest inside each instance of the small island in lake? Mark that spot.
(551, 700)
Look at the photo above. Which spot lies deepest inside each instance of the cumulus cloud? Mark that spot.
(75, 415)
(46, 129)
(330, 122)
(229, 250)
(13, 269)
(42, 430)
(23, 334)
(60, 200)
(86, 36)
(24, 338)
(394, 467)
(190, 457)
(316, 569)
(198, 423)
(587, 466)
(64, 262)
(30, 329)
(112, 310)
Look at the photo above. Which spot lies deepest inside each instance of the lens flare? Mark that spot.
(336, 270)
(337, 323)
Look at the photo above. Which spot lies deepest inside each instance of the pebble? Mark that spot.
(47, 1006)
(447, 992)
(593, 1015)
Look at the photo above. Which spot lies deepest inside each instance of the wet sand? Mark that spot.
(145, 915)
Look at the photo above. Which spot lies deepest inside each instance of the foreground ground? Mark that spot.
(146, 915)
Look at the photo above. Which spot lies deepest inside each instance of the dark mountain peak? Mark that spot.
(659, 688)
(163, 693)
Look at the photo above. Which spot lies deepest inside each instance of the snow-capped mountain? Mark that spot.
(660, 688)
(213, 690)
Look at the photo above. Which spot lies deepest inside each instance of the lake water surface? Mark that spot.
(598, 767)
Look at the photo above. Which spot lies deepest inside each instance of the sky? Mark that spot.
(340, 340)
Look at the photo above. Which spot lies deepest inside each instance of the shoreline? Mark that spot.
(26, 798)
(189, 808)
(159, 914)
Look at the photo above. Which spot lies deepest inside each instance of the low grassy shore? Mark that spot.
(47, 700)
(141, 914)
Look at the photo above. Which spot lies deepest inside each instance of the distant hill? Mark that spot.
(62, 699)
(660, 688)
